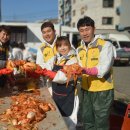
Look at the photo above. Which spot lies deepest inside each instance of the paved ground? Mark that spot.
(122, 83)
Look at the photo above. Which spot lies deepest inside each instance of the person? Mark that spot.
(64, 97)
(28, 56)
(17, 53)
(96, 56)
(4, 50)
(47, 49)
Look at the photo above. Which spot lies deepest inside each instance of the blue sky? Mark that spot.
(28, 10)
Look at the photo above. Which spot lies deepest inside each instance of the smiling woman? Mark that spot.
(63, 45)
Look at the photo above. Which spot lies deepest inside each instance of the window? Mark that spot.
(82, 10)
(115, 44)
(107, 20)
(124, 44)
(19, 34)
(108, 3)
(74, 12)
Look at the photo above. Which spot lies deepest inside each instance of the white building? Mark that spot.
(107, 14)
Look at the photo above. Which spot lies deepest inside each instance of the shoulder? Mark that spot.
(101, 41)
(108, 44)
(43, 45)
(79, 49)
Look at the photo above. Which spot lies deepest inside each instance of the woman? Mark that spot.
(64, 97)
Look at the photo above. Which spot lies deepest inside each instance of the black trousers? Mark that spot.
(3, 79)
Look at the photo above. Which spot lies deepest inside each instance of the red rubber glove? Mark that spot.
(90, 71)
(41, 72)
(50, 74)
(45, 72)
(5, 71)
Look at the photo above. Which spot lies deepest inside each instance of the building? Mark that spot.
(65, 12)
(124, 11)
(108, 14)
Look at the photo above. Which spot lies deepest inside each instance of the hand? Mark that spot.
(90, 71)
(84, 70)
(5, 71)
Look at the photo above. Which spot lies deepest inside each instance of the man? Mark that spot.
(4, 48)
(96, 56)
(48, 49)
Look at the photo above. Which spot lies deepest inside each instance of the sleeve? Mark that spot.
(60, 77)
(106, 59)
(18, 55)
(28, 56)
(39, 59)
(50, 63)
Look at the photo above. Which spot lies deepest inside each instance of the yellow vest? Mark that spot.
(64, 60)
(90, 59)
(47, 51)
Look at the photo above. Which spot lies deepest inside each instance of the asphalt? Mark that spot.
(122, 83)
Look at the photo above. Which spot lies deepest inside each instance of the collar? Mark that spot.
(71, 52)
(92, 43)
(53, 44)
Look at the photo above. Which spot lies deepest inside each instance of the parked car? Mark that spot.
(122, 45)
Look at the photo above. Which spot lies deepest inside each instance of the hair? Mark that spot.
(60, 39)
(14, 44)
(5, 28)
(85, 21)
(21, 45)
(47, 24)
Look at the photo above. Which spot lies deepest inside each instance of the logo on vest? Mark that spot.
(47, 54)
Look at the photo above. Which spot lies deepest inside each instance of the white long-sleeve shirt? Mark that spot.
(17, 54)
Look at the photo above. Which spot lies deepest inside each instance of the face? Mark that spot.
(63, 49)
(86, 33)
(4, 37)
(48, 34)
